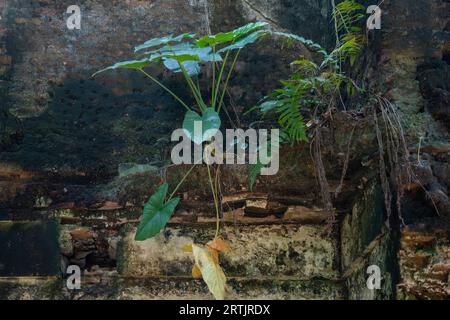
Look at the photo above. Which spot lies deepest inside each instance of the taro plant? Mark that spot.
(187, 54)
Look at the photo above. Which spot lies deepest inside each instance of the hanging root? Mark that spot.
(321, 175)
(345, 167)
(393, 145)
(383, 170)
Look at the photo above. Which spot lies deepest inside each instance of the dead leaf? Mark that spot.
(219, 244)
(211, 271)
(196, 273)
(214, 253)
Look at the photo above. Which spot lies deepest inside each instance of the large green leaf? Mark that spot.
(187, 55)
(192, 67)
(215, 40)
(222, 38)
(188, 49)
(250, 27)
(156, 214)
(164, 40)
(130, 64)
(209, 120)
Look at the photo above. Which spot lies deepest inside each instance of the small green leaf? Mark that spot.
(210, 122)
(156, 214)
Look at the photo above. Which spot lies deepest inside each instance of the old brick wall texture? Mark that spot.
(79, 157)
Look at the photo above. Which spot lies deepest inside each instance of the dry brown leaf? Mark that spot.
(211, 271)
(219, 244)
(214, 254)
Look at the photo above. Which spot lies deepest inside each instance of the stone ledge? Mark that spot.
(297, 251)
(168, 288)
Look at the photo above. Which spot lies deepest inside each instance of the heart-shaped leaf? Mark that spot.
(156, 214)
(209, 122)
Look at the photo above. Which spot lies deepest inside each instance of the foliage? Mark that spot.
(187, 54)
(156, 214)
(315, 87)
(209, 268)
(312, 85)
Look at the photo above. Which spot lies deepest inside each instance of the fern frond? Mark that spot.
(291, 119)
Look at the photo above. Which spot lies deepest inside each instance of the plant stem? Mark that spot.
(418, 151)
(213, 102)
(216, 204)
(181, 182)
(195, 91)
(166, 89)
(228, 79)
(219, 79)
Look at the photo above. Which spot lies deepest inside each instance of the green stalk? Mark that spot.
(216, 204)
(181, 182)
(195, 91)
(219, 79)
(214, 78)
(166, 89)
(228, 79)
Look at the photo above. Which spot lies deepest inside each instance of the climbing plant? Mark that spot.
(187, 54)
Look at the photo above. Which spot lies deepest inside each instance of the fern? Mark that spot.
(315, 86)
